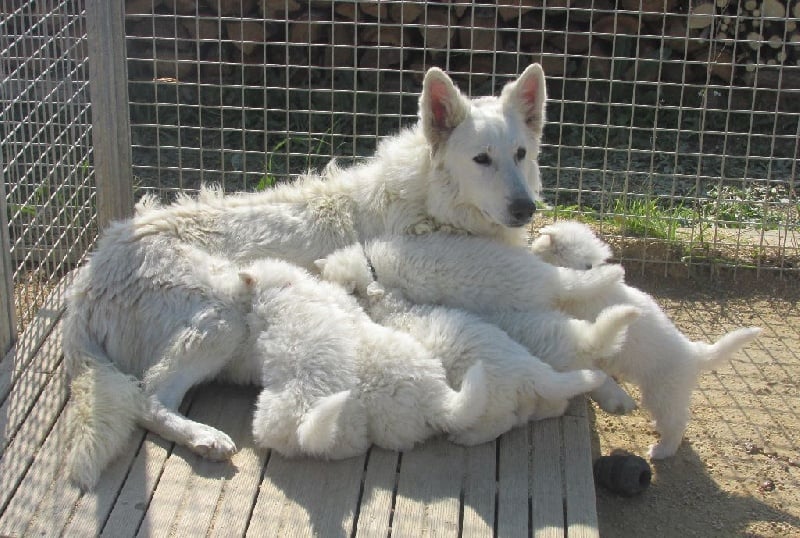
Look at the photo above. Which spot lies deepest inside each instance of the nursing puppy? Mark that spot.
(507, 286)
(656, 356)
(520, 386)
(334, 381)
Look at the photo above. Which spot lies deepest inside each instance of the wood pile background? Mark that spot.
(744, 42)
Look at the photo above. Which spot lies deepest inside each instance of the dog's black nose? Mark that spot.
(521, 210)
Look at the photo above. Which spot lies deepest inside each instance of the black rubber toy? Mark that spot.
(623, 474)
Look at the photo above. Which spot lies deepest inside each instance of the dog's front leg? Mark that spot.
(199, 438)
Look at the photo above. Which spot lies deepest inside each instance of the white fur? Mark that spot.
(520, 386)
(334, 381)
(656, 356)
(146, 305)
(508, 286)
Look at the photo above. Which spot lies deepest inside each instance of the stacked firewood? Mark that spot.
(701, 41)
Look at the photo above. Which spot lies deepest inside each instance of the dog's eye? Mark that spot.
(482, 159)
(521, 152)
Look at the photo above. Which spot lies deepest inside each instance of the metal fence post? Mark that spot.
(111, 139)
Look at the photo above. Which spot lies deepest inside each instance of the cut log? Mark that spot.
(279, 9)
(510, 10)
(202, 29)
(246, 35)
(609, 26)
(142, 7)
(313, 26)
(438, 30)
(701, 15)
(478, 32)
(181, 7)
(234, 8)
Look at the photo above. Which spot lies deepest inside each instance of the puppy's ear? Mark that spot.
(527, 96)
(320, 264)
(375, 290)
(441, 107)
(247, 279)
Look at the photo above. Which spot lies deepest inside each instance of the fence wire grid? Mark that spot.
(45, 136)
(673, 126)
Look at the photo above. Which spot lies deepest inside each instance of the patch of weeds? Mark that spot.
(765, 206)
(645, 218)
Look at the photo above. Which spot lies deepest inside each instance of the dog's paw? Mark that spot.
(660, 451)
(613, 399)
(212, 444)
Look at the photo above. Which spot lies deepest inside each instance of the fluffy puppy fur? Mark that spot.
(464, 272)
(334, 381)
(520, 387)
(656, 356)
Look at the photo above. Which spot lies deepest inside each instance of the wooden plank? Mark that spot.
(45, 495)
(29, 343)
(111, 138)
(230, 412)
(547, 509)
(171, 492)
(134, 497)
(20, 452)
(480, 490)
(581, 505)
(93, 508)
(428, 490)
(577, 407)
(512, 486)
(239, 492)
(380, 478)
(307, 497)
(27, 386)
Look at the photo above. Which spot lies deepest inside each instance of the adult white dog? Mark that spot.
(656, 356)
(467, 166)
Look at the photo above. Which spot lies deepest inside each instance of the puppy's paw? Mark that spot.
(212, 444)
(660, 451)
(613, 399)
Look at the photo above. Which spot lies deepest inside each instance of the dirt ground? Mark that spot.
(737, 472)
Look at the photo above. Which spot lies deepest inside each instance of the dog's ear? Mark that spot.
(527, 96)
(441, 107)
(320, 264)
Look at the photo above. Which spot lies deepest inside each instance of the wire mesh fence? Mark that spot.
(673, 121)
(45, 134)
(673, 126)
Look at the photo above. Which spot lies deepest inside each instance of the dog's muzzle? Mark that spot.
(521, 211)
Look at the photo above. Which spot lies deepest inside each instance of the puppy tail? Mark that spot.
(105, 405)
(717, 354)
(607, 334)
(317, 431)
(463, 408)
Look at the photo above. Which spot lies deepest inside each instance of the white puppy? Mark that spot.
(507, 286)
(520, 386)
(334, 381)
(656, 355)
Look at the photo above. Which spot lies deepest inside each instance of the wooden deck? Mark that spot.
(534, 480)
